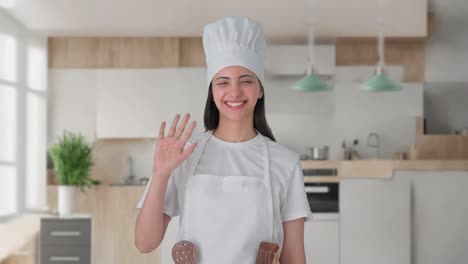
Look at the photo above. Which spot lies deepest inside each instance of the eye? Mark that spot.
(223, 83)
(246, 81)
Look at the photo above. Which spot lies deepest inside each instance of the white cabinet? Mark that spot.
(439, 216)
(132, 103)
(321, 241)
(375, 221)
(72, 102)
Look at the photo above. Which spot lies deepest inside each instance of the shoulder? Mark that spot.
(282, 156)
(285, 166)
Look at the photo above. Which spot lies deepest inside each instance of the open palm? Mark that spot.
(170, 151)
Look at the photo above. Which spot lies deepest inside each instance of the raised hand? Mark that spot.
(170, 151)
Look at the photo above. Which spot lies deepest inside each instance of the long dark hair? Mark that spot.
(211, 117)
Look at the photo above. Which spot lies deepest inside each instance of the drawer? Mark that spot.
(65, 232)
(65, 255)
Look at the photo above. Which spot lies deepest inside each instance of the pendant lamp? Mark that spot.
(311, 82)
(380, 82)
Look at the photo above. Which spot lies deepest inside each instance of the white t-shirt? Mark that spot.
(245, 159)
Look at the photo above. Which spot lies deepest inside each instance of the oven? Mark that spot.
(323, 197)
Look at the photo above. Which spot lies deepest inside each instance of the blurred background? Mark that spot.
(384, 156)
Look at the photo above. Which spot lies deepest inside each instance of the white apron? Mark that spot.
(226, 217)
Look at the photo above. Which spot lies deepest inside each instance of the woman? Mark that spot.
(233, 186)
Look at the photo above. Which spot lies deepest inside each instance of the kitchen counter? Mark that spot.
(17, 233)
(378, 168)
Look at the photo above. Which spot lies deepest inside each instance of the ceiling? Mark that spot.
(280, 19)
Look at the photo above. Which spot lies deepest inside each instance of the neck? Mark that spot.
(235, 131)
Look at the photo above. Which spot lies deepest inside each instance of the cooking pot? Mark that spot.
(318, 153)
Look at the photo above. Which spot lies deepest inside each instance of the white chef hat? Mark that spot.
(234, 41)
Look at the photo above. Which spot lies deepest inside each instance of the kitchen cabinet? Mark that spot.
(375, 220)
(132, 103)
(65, 240)
(321, 241)
(439, 215)
(114, 215)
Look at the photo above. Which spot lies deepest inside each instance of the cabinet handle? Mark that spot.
(317, 189)
(65, 233)
(64, 258)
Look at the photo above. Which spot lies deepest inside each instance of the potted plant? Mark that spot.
(73, 160)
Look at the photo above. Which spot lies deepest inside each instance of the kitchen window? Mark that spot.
(23, 97)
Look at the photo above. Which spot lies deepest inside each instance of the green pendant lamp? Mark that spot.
(380, 82)
(311, 82)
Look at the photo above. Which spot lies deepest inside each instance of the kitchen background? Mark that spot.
(322, 118)
(116, 88)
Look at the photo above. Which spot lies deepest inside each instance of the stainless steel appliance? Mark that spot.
(318, 153)
(323, 197)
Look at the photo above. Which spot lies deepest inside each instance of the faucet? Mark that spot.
(375, 145)
(131, 178)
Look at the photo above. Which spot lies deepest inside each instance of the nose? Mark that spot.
(235, 90)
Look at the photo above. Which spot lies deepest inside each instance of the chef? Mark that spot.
(232, 186)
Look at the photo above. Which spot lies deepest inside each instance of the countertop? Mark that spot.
(378, 168)
(18, 232)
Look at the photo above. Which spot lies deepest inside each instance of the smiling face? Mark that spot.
(235, 93)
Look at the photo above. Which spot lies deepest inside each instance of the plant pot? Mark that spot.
(66, 199)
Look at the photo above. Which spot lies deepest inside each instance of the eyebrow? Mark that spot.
(240, 77)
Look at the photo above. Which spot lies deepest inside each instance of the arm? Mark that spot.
(293, 243)
(151, 223)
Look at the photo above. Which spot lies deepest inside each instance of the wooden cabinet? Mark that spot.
(375, 220)
(133, 103)
(113, 226)
(321, 241)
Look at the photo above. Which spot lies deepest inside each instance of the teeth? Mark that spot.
(235, 104)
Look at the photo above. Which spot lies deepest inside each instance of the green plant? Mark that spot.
(73, 160)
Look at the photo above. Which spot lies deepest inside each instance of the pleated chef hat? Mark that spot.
(234, 41)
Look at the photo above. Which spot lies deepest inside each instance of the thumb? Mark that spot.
(188, 151)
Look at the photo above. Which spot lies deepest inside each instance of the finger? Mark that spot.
(173, 125)
(161, 130)
(188, 151)
(182, 126)
(189, 131)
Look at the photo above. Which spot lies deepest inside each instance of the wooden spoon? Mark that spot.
(183, 252)
(268, 253)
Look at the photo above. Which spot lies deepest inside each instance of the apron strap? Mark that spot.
(198, 152)
(267, 182)
(183, 224)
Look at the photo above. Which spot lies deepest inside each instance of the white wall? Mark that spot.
(298, 120)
